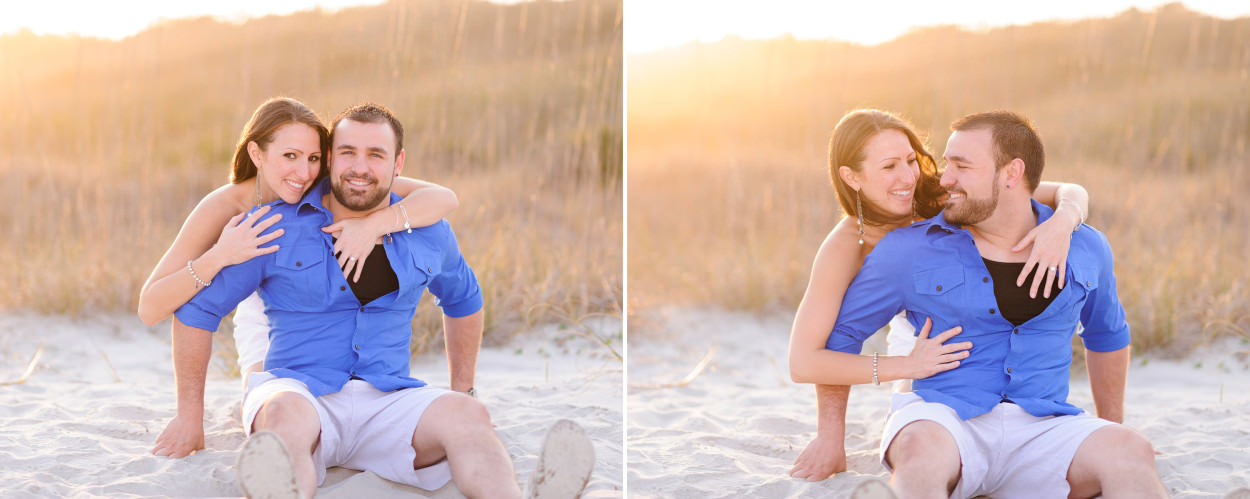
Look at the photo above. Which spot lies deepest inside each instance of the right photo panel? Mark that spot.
(899, 250)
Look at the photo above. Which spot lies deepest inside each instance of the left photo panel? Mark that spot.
(344, 249)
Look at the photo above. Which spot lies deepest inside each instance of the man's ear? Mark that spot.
(848, 175)
(1014, 171)
(399, 163)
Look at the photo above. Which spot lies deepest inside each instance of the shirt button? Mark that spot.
(985, 279)
(939, 288)
(429, 269)
(1087, 284)
(362, 309)
(299, 264)
(1008, 370)
(357, 347)
(1015, 331)
(991, 311)
(342, 288)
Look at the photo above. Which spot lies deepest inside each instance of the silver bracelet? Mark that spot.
(405, 212)
(875, 381)
(1079, 214)
(198, 282)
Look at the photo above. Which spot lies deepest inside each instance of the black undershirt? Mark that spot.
(1013, 301)
(377, 279)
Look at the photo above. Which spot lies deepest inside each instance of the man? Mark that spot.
(999, 424)
(337, 390)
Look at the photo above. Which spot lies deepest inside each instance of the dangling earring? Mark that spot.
(258, 182)
(859, 211)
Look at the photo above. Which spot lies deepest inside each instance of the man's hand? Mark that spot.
(823, 457)
(181, 438)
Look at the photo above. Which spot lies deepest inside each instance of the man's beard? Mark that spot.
(972, 211)
(358, 201)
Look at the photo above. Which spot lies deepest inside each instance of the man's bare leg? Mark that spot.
(295, 420)
(1115, 461)
(925, 460)
(458, 427)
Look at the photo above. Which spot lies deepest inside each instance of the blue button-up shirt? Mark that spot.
(933, 269)
(320, 333)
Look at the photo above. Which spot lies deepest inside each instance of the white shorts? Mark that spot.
(361, 428)
(1006, 452)
(251, 332)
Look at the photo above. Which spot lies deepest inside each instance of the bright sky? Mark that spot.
(120, 18)
(656, 24)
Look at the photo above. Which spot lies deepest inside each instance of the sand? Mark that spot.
(737, 427)
(83, 423)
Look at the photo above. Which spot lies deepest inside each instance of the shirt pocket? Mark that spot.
(1083, 282)
(425, 267)
(302, 269)
(939, 281)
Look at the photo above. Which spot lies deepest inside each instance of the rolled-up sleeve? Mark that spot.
(231, 285)
(455, 287)
(872, 299)
(1102, 316)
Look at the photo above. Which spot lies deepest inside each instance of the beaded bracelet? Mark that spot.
(875, 381)
(198, 282)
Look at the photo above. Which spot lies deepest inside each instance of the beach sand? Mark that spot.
(83, 424)
(736, 428)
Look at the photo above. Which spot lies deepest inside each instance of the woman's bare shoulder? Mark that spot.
(841, 247)
(231, 197)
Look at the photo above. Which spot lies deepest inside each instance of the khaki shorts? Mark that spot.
(1006, 452)
(361, 428)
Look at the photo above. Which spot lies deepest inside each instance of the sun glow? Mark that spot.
(656, 24)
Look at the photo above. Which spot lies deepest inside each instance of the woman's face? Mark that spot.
(289, 164)
(888, 175)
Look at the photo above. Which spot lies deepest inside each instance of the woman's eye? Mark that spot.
(314, 158)
(289, 155)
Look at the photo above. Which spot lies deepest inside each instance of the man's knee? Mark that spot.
(288, 413)
(468, 412)
(921, 441)
(1119, 445)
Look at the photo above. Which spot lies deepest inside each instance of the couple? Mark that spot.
(340, 280)
(988, 411)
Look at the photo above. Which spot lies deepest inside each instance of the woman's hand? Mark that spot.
(241, 238)
(1050, 241)
(931, 356)
(355, 240)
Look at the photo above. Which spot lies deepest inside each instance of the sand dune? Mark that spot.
(84, 422)
(735, 430)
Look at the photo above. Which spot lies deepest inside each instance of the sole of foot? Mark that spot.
(264, 469)
(564, 464)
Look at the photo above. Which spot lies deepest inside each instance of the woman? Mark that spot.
(280, 155)
(886, 179)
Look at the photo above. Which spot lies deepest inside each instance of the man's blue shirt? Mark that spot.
(932, 269)
(320, 333)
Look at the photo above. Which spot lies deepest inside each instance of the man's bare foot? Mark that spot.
(564, 464)
(264, 469)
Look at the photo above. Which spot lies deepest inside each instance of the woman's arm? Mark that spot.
(836, 264)
(424, 204)
(1050, 240)
(212, 237)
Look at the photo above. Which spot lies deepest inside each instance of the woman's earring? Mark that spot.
(859, 211)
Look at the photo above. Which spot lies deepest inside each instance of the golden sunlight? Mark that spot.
(656, 24)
